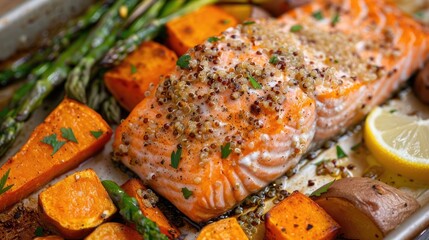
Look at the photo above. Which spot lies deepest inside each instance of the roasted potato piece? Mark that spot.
(113, 231)
(194, 28)
(76, 205)
(139, 73)
(137, 190)
(366, 208)
(224, 229)
(299, 217)
(47, 154)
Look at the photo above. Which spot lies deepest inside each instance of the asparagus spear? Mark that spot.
(79, 77)
(22, 92)
(110, 22)
(111, 110)
(8, 134)
(142, 21)
(95, 46)
(52, 77)
(23, 66)
(92, 15)
(97, 92)
(171, 7)
(130, 210)
(126, 46)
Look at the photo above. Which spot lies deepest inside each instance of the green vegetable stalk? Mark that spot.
(129, 209)
(34, 93)
(99, 41)
(147, 32)
(23, 66)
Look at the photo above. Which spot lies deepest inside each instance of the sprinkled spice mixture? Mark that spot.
(255, 65)
(251, 210)
(195, 88)
(259, 62)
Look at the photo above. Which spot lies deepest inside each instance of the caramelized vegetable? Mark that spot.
(366, 208)
(298, 217)
(139, 73)
(47, 154)
(113, 231)
(194, 28)
(224, 229)
(76, 205)
(137, 190)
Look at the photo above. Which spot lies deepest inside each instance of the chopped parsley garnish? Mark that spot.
(186, 193)
(419, 15)
(225, 150)
(133, 69)
(254, 83)
(393, 111)
(213, 39)
(274, 59)
(175, 158)
(53, 141)
(356, 146)
(183, 61)
(3, 180)
(340, 153)
(296, 28)
(318, 15)
(248, 23)
(322, 189)
(4, 112)
(68, 134)
(97, 134)
(38, 232)
(335, 19)
(225, 21)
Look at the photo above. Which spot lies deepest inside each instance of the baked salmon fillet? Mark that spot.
(243, 108)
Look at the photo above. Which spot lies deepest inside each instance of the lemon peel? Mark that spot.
(399, 142)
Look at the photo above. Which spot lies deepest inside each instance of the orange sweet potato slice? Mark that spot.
(36, 163)
(76, 205)
(139, 73)
(223, 230)
(299, 217)
(194, 28)
(113, 231)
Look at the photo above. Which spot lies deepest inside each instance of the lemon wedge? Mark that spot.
(399, 142)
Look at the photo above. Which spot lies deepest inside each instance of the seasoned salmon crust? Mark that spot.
(243, 108)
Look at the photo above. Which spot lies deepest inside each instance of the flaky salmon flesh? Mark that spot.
(242, 110)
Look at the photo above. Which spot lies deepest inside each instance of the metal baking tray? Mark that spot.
(23, 22)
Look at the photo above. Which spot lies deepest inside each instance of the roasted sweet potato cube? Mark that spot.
(299, 217)
(136, 189)
(37, 162)
(224, 229)
(113, 231)
(76, 205)
(139, 73)
(196, 27)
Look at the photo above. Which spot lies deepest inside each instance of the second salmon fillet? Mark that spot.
(244, 107)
